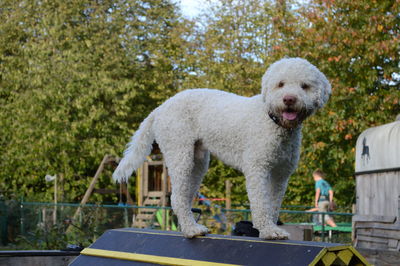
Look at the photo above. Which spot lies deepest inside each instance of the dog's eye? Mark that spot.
(305, 86)
(281, 84)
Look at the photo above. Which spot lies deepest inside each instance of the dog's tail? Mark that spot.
(137, 149)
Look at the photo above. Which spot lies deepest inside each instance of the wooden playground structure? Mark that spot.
(152, 190)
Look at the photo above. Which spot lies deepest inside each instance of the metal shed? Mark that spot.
(376, 223)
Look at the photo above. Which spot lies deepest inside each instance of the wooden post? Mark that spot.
(94, 181)
(125, 190)
(164, 196)
(55, 201)
(353, 227)
(90, 189)
(139, 187)
(228, 186)
(228, 205)
(145, 180)
(62, 187)
(44, 216)
(61, 190)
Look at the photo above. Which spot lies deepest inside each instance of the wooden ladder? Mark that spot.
(145, 216)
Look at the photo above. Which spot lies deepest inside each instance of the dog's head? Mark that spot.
(293, 89)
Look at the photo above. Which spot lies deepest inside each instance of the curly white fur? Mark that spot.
(241, 132)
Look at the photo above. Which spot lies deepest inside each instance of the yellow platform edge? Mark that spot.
(147, 258)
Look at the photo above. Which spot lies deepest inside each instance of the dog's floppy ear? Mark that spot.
(265, 82)
(270, 78)
(325, 90)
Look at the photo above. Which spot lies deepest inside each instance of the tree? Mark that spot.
(230, 45)
(356, 44)
(77, 78)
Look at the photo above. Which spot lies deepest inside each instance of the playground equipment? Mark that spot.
(377, 220)
(131, 246)
(152, 189)
(123, 187)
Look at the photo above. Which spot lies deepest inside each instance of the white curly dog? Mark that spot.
(260, 136)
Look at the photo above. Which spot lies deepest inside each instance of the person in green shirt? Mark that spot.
(323, 196)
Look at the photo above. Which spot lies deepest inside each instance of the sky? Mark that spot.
(191, 8)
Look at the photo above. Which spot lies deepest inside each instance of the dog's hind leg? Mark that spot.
(186, 168)
(200, 167)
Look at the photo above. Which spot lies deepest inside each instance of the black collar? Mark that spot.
(274, 118)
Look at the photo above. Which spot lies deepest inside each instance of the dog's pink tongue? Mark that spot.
(289, 115)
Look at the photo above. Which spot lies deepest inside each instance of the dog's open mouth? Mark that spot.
(290, 114)
(289, 117)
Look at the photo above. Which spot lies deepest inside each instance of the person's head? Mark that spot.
(318, 174)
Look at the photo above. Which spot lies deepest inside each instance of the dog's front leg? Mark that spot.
(265, 200)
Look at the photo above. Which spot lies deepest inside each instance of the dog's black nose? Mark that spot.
(289, 100)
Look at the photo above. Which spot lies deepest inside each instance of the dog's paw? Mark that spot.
(273, 232)
(195, 230)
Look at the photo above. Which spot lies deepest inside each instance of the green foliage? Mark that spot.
(45, 237)
(356, 43)
(232, 46)
(214, 183)
(40, 232)
(77, 78)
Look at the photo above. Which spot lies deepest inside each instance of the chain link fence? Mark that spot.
(36, 225)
